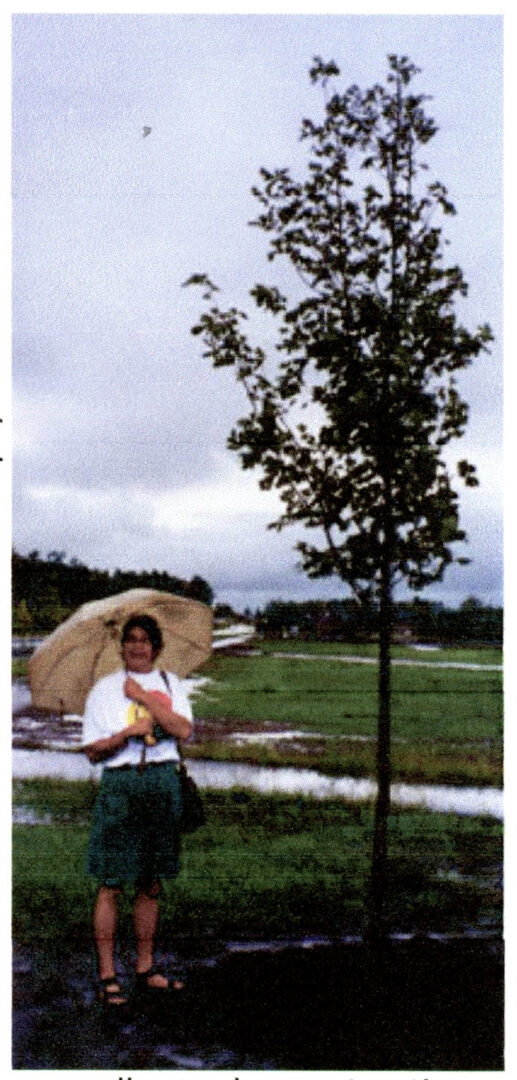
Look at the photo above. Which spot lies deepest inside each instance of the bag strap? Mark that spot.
(165, 678)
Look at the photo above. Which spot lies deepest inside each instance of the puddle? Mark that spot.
(27, 815)
(51, 764)
(268, 780)
(24, 646)
(70, 765)
(241, 738)
(326, 1007)
(470, 802)
(320, 941)
(396, 661)
(20, 695)
(45, 745)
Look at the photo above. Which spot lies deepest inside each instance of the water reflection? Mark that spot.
(52, 765)
(20, 695)
(267, 780)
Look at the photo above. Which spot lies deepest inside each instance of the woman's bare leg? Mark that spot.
(104, 925)
(145, 915)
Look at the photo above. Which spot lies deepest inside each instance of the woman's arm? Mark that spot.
(175, 724)
(105, 748)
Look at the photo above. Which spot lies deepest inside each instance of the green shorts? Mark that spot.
(135, 834)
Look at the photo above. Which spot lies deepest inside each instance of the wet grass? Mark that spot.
(264, 867)
(19, 668)
(66, 801)
(452, 654)
(472, 764)
(335, 699)
(446, 727)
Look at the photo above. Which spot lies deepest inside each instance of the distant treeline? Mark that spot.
(47, 590)
(418, 620)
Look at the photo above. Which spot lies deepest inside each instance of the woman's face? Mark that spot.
(137, 651)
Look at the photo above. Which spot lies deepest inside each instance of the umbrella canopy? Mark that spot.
(87, 646)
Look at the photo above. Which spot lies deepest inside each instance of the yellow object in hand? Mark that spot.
(139, 712)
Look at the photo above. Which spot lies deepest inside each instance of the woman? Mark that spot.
(132, 721)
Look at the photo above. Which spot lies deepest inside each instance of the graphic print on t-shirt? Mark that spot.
(137, 711)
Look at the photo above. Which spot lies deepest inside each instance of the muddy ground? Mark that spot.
(423, 1005)
(36, 729)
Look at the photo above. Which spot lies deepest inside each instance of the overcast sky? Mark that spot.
(119, 425)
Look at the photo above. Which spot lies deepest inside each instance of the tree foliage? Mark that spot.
(46, 591)
(349, 420)
(418, 620)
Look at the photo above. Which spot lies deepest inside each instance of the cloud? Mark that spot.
(120, 424)
(219, 531)
(91, 412)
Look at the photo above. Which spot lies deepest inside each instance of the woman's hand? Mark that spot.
(134, 690)
(142, 726)
(105, 748)
(161, 708)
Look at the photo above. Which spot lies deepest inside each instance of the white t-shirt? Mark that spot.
(108, 710)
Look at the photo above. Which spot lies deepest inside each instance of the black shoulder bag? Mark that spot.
(192, 809)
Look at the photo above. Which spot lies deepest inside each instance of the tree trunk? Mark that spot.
(376, 931)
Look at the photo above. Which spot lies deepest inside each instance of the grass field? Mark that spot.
(264, 867)
(447, 723)
(284, 866)
(446, 727)
(18, 667)
(452, 654)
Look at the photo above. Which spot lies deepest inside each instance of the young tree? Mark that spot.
(349, 421)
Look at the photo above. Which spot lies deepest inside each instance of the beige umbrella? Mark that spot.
(87, 646)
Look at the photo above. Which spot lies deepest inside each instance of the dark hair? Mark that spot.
(147, 623)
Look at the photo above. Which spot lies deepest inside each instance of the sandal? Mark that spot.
(110, 994)
(174, 984)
